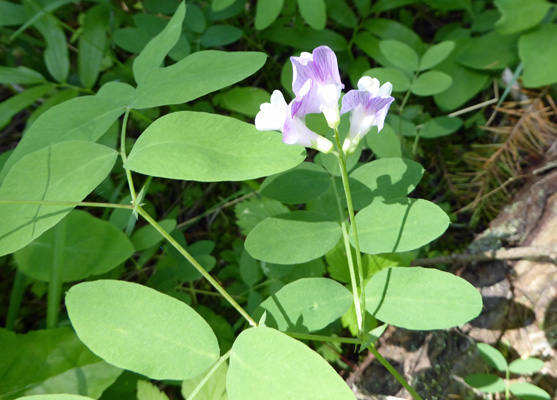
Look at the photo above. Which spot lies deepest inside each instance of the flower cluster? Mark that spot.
(317, 86)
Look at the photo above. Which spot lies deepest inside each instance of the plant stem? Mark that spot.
(196, 265)
(56, 272)
(321, 338)
(346, 185)
(18, 289)
(67, 203)
(125, 157)
(209, 375)
(507, 386)
(353, 282)
(394, 373)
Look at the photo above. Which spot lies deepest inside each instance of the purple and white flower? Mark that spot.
(321, 67)
(368, 107)
(290, 118)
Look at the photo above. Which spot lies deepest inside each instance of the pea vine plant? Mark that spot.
(59, 162)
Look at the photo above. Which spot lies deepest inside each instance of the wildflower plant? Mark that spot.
(148, 331)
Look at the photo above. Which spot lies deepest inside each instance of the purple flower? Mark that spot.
(290, 119)
(321, 67)
(368, 107)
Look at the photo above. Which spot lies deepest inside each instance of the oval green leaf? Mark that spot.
(421, 298)
(430, 83)
(91, 247)
(440, 126)
(435, 54)
(208, 147)
(314, 12)
(139, 329)
(305, 305)
(55, 397)
(267, 364)
(221, 35)
(491, 51)
(305, 38)
(245, 100)
(538, 52)
(527, 391)
(196, 75)
(92, 43)
(66, 171)
(388, 178)
(400, 82)
(400, 54)
(526, 365)
(395, 226)
(486, 383)
(148, 236)
(292, 238)
(518, 15)
(492, 357)
(384, 144)
(266, 12)
(298, 185)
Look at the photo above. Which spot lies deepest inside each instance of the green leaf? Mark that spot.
(492, 357)
(266, 12)
(305, 305)
(421, 298)
(538, 52)
(12, 14)
(92, 43)
(213, 389)
(486, 383)
(278, 367)
(148, 236)
(430, 83)
(152, 56)
(55, 397)
(399, 225)
(370, 45)
(304, 38)
(250, 271)
(147, 391)
(390, 29)
(245, 100)
(252, 211)
(196, 75)
(526, 365)
(83, 118)
(45, 360)
(400, 54)
(314, 12)
(21, 75)
(19, 102)
(492, 51)
(298, 185)
(166, 7)
(372, 336)
(527, 391)
(219, 5)
(340, 12)
(142, 330)
(91, 247)
(384, 144)
(518, 15)
(384, 179)
(440, 126)
(435, 54)
(56, 55)
(400, 82)
(466, 82)
(207, 147)
(221, 35)
(292, 238)
(66, 171)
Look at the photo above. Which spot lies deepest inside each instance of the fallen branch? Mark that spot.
(546, 253)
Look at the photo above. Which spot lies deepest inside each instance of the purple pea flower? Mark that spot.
(322, 68)
(290, 118)
(368, 107)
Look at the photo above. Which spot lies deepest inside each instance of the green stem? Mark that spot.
(67, 203)
(18, 289)
(348, 248)
(507, 386)
(321, 338)
(346, 185)
(196, 265)
(209, 375)
(56, 272)
(394, 373)
(125, 157)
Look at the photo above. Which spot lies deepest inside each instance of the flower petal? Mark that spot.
(273, 114)
(321, 67)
